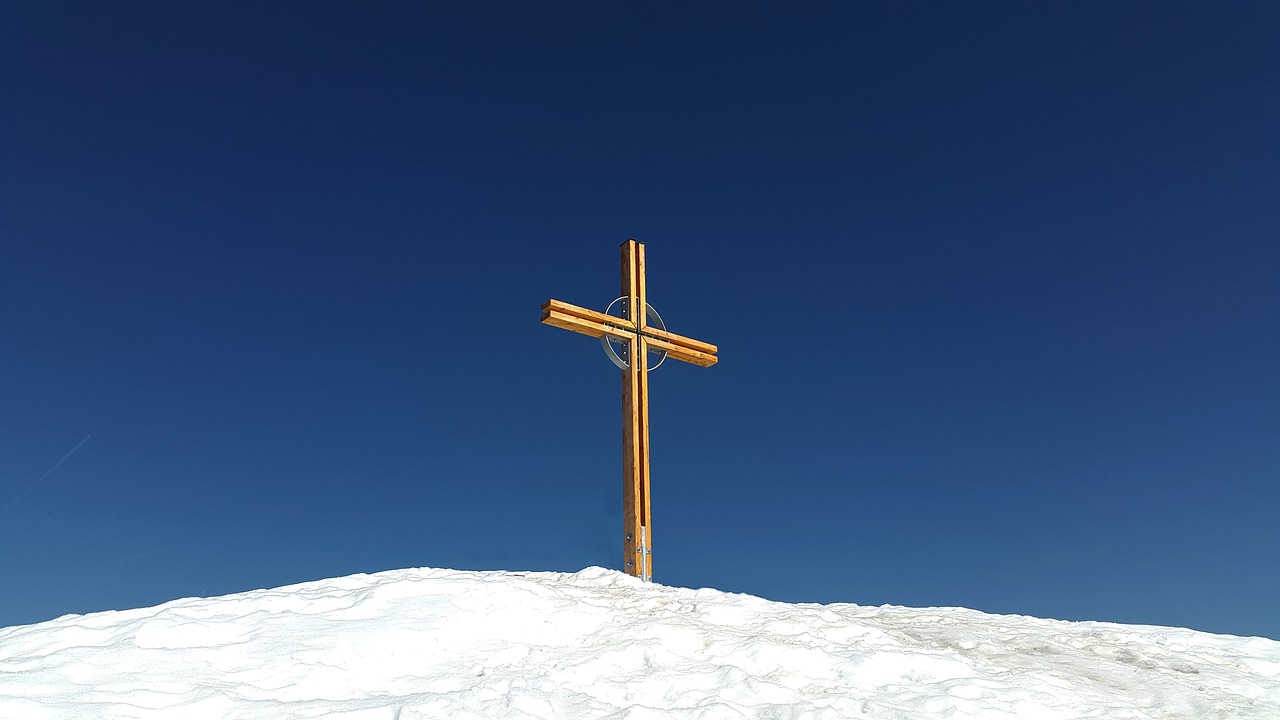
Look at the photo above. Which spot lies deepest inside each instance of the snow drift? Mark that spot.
(411, 644)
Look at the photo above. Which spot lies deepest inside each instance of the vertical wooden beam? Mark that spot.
(641, 365)
(642, 305)
(632, 436)
(631, 468)
(646, 518)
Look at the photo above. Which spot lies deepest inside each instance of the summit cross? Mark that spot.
(637, 332)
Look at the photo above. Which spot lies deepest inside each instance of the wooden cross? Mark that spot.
(641, 339)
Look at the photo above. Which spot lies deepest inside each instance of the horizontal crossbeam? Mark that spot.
(597, 324)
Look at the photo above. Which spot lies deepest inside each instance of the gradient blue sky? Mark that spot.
(996, 286)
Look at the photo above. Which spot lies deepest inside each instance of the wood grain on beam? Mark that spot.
(586, 327)
(674, 339)
(586, 314)
(683, 354)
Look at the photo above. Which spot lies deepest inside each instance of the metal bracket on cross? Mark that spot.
(619, 351)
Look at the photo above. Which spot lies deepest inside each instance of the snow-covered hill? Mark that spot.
(426, 643)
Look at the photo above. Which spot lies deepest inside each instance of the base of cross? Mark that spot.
(642, 566)
(641, 339)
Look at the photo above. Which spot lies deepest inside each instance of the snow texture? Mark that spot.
(410, 644)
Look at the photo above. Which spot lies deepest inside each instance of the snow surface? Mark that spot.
(425, 643)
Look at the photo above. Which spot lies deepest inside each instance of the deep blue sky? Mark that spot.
(996, 287)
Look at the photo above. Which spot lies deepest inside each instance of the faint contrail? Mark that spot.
(42, 477)
(141, 555)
